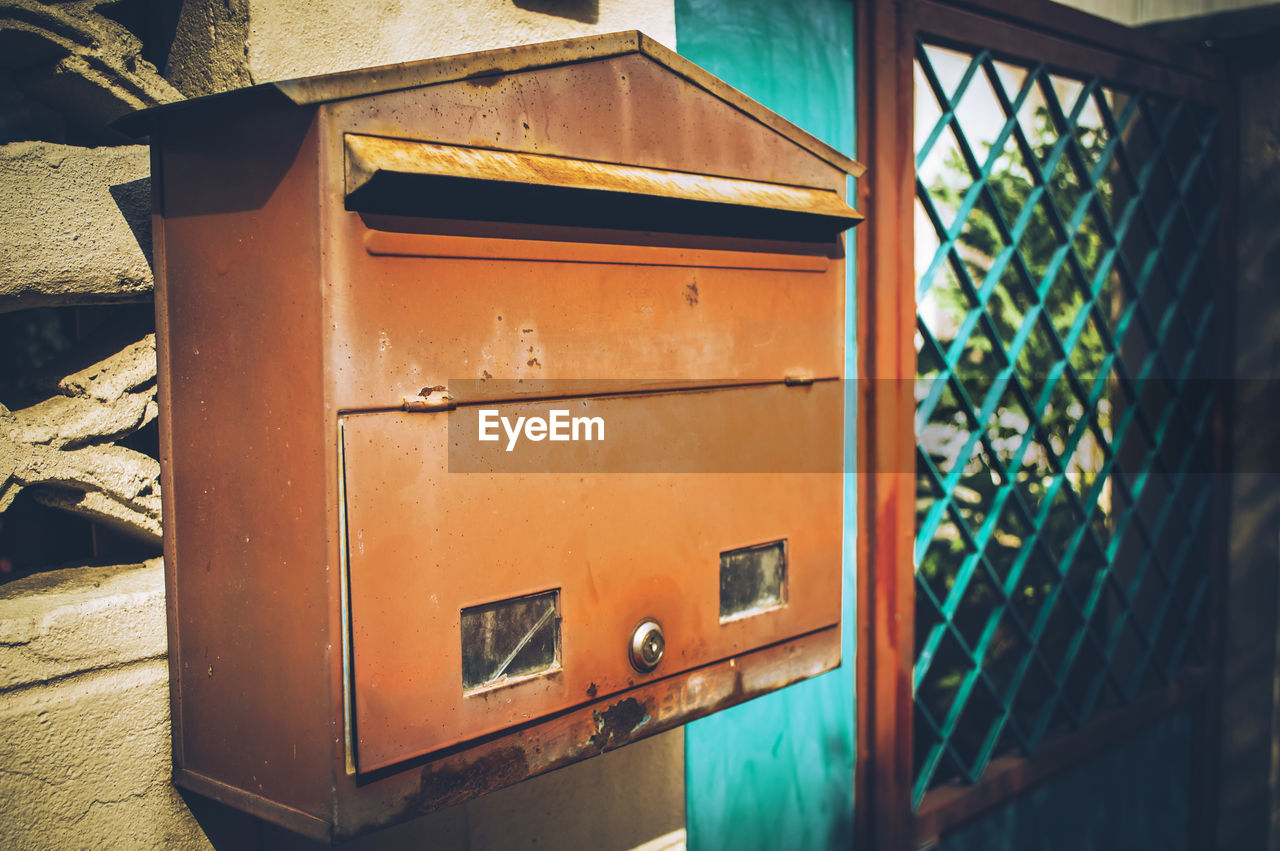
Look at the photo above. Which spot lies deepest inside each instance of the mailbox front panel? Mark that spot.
(427, 542)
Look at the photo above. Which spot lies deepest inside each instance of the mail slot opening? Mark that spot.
(506, 235)
(510, 641)
(753, 580)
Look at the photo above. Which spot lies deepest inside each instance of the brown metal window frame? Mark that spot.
(1069, 41)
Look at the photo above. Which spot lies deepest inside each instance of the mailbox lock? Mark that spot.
(647, 644)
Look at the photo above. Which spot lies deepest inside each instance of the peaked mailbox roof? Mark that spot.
(428, 72)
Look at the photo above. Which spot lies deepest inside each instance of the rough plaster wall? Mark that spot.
(338, 35)
(77, 63)
(210, 49)
(64, 448)
(84, 713)
(76, 224)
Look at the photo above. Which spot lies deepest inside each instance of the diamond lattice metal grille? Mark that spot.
(1064, 300)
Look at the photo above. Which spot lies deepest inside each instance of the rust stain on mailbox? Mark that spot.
(482, 405)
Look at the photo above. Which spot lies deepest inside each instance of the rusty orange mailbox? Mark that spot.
(501, 420)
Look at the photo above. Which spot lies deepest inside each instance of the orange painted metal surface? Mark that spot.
(587, 318)
(619, 546)
(324, 355)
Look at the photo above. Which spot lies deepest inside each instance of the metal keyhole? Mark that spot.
(647, 645)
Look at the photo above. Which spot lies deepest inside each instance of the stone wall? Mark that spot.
(84, 712)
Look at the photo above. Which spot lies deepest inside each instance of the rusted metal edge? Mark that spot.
(432, 783)
(436, 398)
(343, 85)
(446, 69)
(369, 156)
(264, 808)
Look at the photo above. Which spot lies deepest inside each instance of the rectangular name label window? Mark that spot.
(510, 641)
(753, 580)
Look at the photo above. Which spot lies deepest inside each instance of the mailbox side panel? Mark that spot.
(246, 462)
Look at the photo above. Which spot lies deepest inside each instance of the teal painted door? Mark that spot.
(777, 772)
